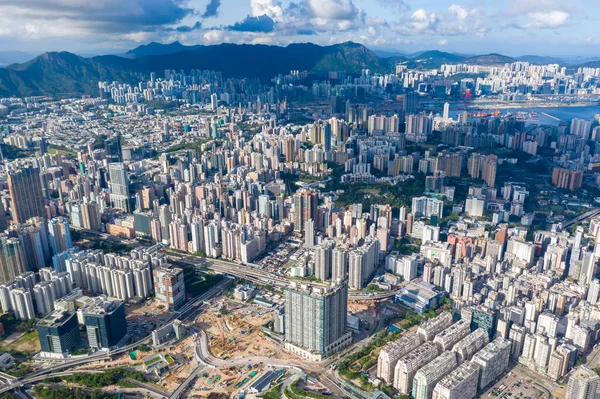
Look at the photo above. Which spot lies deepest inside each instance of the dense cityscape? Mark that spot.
(422, 229)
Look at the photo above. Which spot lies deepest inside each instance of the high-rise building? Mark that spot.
(484, 318)
(119, 186)
(583, 384)
(427, 377)
(492, 360)
(58, 332)
(26, 195)
(407, 366)
(309, 233)
(315, 320)
(60, 234)
(483, 167)
(305, 208)
(427, 207)
(409, 106)
(446, 339)
(22, 304)
(567, 179)
(323, 260)
(471, 344)
(90, 214)
(339, 264)
(475, 205)
(488, 170)
(561, 361)
(430, 328)
(461, 383)
(214, 101)
(446, 114)
(394, 351)
(105, 323)
(112, 148)
(593, 291)
(169, 286)
(12, 259)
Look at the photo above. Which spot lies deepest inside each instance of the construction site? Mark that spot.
(235, 330)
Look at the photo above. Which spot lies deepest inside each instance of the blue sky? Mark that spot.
(512, 27)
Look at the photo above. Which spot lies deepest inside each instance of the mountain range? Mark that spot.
(63, 74)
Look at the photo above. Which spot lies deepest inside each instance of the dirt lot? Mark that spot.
(154, 311)
(235, 330)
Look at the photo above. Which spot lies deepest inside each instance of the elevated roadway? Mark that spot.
(258, 275)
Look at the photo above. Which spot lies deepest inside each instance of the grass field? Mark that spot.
(29, 342)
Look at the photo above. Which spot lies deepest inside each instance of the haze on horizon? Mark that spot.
(511, 27)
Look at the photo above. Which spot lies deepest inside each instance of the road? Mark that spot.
(39, 375)
(187, 381)
(203, 355)
(258, 275)
(145, 386)
(587, 215)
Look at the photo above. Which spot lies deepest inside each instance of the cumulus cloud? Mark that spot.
(540, 14)
(454, 21)
(547, 19)
(270, 8)
(422, 21)
(214, 36)
(261, 24)
(212, 9)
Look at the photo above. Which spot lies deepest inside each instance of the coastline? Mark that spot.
(525, 105)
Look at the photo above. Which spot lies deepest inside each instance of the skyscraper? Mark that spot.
(315, 320)
(305, 207)
(410, 103)
(112, 147)
(12, 260)
(214, 101)
(26, 195)
(119, 186)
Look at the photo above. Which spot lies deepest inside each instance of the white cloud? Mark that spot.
(547, 19)
(214, 36)
(443, 42)
(460, 12)
(333, 9)
(422, 21)
(271, 8)
(397, 4)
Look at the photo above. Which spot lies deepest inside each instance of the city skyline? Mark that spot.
(547, 27)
